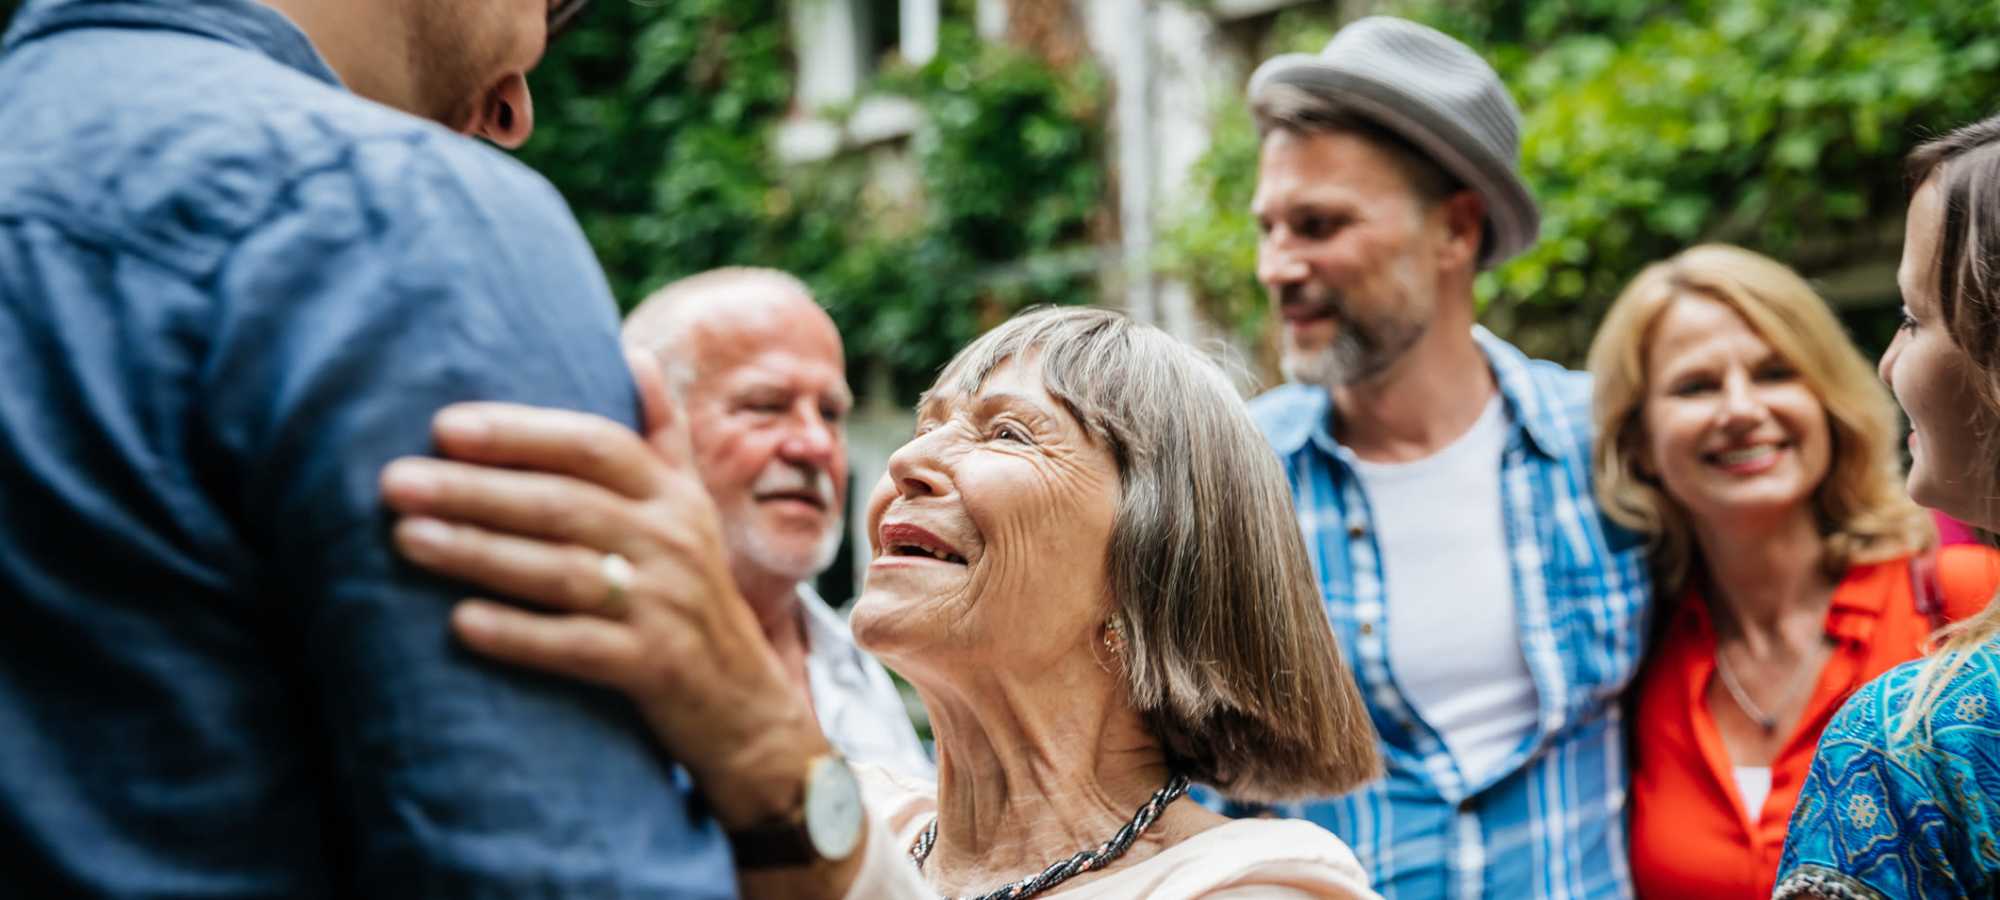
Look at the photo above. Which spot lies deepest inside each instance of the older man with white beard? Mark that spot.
(761, 375)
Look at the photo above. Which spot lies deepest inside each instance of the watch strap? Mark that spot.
(773, 845)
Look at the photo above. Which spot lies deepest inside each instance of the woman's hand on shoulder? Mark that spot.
(615, 538)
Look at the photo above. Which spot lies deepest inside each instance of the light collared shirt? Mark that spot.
(1548, 821)
(859, 708)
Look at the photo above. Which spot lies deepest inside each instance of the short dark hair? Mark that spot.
(1297, 110)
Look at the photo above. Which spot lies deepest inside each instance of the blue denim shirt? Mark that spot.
(230, 291)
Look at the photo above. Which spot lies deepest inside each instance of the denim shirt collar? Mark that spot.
(244, 23)
(1526, 404)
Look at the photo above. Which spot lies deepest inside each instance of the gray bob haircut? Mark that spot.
(1228, 655)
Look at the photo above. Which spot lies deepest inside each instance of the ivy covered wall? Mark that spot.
(656, 121)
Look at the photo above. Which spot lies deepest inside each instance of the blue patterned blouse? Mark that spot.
(1884, 814)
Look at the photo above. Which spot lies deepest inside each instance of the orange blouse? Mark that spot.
(1690, 834)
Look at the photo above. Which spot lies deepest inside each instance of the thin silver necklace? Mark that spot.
(1082, 861)
(1756, 713)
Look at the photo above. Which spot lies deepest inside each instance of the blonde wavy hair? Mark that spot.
(1863, 511)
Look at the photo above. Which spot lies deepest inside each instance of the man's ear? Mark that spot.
(1465, 224)
(506, 112)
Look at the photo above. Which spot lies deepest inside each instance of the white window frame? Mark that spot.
(831, 38)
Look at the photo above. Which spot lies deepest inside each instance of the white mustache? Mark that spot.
(783, 478)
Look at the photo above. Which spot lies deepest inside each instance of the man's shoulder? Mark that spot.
(185, 145)
(1287, 413)
(1552, 400)
(1549, 380)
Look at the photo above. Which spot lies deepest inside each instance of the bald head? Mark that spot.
(682, 322)
(759, 370)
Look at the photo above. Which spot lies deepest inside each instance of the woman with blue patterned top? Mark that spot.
(1904, 795)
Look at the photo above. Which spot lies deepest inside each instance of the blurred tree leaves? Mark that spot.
(1649, 126)
(657, 123)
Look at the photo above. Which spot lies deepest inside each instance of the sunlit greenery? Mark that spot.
(657, 124)
(1770, 123)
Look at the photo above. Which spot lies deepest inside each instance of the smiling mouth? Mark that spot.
(812, 500)
(1745, 455)
(1305, 313)
(922, 552)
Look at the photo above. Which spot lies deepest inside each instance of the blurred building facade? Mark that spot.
(1167, 64)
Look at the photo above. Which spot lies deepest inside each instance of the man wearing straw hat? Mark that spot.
(1442, 478)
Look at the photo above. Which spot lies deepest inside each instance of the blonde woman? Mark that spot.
(1748, 438)
(1903, 799)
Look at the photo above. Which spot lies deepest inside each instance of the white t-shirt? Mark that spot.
(1754, 783)
(1453, 632)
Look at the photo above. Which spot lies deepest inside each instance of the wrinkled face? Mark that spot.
(471, 59)
(989, 534)
(1731, 428)
(1934, 382)
(1346, 250)
(766, 415)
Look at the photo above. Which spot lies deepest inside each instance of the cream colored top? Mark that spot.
(1247, 859)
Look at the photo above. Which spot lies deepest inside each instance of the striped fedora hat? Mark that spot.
(1437, 94)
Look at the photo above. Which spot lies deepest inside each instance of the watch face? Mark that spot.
(833, 808)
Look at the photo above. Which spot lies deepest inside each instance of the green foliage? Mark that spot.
(658, 125)
(1649, 127)
(1213, 244)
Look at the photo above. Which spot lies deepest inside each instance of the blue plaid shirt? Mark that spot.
(1552, 825)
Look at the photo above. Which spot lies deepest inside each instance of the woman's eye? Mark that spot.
(1004, 432)
(1908, 322)
(1692, 388)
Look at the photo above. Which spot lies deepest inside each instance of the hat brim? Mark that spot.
(1511, 213)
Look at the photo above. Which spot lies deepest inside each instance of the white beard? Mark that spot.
(1335, 365)
(786, 558)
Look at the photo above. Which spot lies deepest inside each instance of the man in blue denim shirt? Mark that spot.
(230, 291)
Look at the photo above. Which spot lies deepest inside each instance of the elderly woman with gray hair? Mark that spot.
(1085, 561)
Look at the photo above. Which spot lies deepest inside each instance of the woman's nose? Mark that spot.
(1887, 367)
(1740, 403)
(915, 469)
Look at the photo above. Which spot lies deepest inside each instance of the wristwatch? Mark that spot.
(825, 826)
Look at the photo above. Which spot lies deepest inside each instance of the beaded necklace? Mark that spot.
(1083, 861)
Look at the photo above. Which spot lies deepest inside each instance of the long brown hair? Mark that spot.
(1966, 167)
